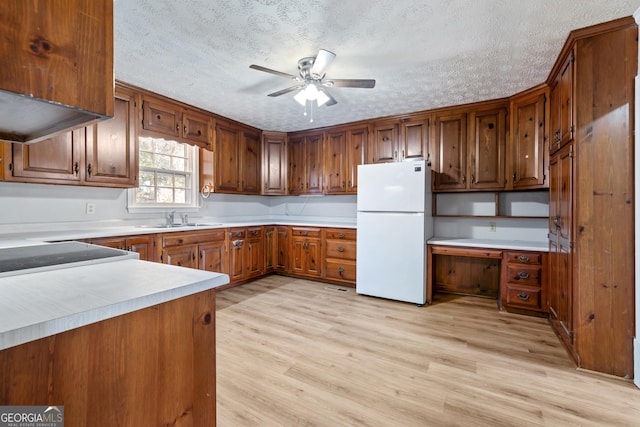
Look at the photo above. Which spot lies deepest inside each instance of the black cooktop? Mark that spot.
(52, 254)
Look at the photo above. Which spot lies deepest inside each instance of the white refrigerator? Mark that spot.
(394, 224)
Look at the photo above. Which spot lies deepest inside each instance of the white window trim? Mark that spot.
(194, 206)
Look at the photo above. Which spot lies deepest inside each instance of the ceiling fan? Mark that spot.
(312, 85)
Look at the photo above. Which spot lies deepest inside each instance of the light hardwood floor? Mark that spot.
(295, 352)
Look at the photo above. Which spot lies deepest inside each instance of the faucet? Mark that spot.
(171, 217)
(185, 218)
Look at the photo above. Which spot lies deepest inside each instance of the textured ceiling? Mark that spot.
(422, 54)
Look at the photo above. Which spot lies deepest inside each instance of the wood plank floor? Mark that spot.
(295, 352)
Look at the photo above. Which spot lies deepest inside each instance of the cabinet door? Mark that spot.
(282, 253)
(250, 163)
(298, 255)
(384, 144)
(313, 152)
(111, 146)
(143, 245)
(356, 143)
(196, 128)
(237, 259)
(56, 159)
(227, 162)
(313, 261)
(566, 98)
(335, 163)
(486, 154)
(183, 256)
(526, 157)
(160, 118)
(274, 163)
(451, 147)
(414, 140)
(255, 254)
(297, 173)
(213, 257)
(270, 248)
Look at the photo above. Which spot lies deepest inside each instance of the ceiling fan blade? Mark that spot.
(269, 70)
(332, 100)
(363, 83)
(322, 62)
(287, 90)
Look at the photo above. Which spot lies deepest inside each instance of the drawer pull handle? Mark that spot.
(340, 249)
(238, 233)
(523, 275)
(304, 232)
(341, 235)
(254, 232)
(523, 296)
(340, 270)
(523, 258)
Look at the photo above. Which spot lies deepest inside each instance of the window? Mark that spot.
(167, 176)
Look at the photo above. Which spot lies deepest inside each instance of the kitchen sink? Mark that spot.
(189, 224)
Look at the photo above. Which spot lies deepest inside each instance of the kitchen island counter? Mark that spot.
(37, 305)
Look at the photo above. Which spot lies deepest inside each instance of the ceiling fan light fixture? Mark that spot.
(301, 98)
(321, 99)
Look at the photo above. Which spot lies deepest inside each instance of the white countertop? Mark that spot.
(37, 305)
(523, 245)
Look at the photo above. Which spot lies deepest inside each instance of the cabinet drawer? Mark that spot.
(237, 233)
(254, 232)
(341, 233)
(341, 270)
(522, 296)
(534, 258)
(523, 274)
(190, 238)
(341, 249)
(305, 232)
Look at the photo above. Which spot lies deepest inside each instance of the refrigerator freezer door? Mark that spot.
(391, 253)
(397, 187)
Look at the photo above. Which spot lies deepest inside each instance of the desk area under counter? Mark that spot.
(514, 272)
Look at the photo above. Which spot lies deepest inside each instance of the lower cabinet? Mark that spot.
(246, 253)
(206, 249)
(524, 281)
(143, 244)
(276, 249)
(340, 255)
(306, 254)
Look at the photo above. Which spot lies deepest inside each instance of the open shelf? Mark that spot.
(512, 204)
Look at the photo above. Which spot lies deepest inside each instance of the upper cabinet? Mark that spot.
(305, 163)
(60, 52)
(237, 159)
(562, 115)
(343, 152)
(166, 119)
(103, 154)
(274, 163)
(527, 158)
(469, 145)
(399, 140)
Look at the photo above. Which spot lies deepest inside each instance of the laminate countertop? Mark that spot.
(519, 245)
(41, 304)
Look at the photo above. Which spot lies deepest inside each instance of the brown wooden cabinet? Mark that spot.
(399, 140)
(274, 163)
(340, 255)
(204, 249)
(246, 253)
(60, 52)
(276, 249)
(527, 157)
(487, 144)
(164, 118)
(305, 252)
(255, 251)
(237, 160)
(592, 277)
(523, 284)
(143, 244)
(104, 154)
(343, 152)
(450, 163)
(473, 160)
(562, 104)
(305, 163)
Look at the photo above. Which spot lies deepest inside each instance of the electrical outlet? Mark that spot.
(492, 226)
(90, 208)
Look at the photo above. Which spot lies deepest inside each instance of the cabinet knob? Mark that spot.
(304, 232)
(523, 258)
(341, 235)
(341, 270)
(523, 296)
(340, 249)
(522, 275)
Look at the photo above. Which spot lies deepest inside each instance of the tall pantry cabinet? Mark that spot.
(591, 238)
